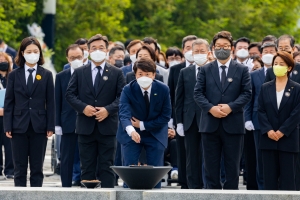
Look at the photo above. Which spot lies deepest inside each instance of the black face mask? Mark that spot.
(119, 63)
(4, 66)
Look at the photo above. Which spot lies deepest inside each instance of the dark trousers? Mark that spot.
(193, 149)
(213, 144)
(259, 161)
(279, 169)
(32, 145)
(99, 148)
(118, 157)
(250, 161)
(171, 152)
(181, 161)
(5, 141)
(76, 164)
(67, 152)
(154, 152)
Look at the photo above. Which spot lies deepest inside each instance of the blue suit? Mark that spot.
(251, 114)
(126, 69)
(155, 137)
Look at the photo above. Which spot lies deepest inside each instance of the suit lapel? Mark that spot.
(286, 95)
(139, 97)
(153, 97)
(40, 71)
(231, 71)
(192, 75)
(89, 78)
(216, 74)
(22, 78)
(262, 75)
(104, 78)
(272, 94)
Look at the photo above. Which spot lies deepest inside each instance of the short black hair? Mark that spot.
(144, 64)
(188, 38)
(268, 44)
(81, 41)
(114, 49)
(1, 41)
(73, 47)
(150, 40)
(225, 35)
(173, 51)
(254, 44)
(242, 39)
(149, 49)
(98, 37)
(284, 37)
(269, 38)
(127, 43)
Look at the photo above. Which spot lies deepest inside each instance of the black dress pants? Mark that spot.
(97, 151)
(181, 161)
(32, 146)
(250, 161)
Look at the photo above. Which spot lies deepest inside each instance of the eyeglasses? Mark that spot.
(224, 47)
(74, 58)
(170, 59)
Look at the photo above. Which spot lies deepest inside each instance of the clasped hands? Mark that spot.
(275, 135)
(99, 112)
(220, 111)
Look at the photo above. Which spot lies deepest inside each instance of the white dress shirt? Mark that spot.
(197, 66)
(265, 70)
(130, 128)
(279, 97)
(226, 69)
(27, 72)
(5, 48)
(95, 70)
(187, 63)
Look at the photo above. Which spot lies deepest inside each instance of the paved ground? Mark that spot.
(53, 180)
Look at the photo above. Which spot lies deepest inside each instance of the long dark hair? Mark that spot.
(20, 60)
(6, 56)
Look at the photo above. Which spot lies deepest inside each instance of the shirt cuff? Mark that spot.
(142, 127)
(129, 130)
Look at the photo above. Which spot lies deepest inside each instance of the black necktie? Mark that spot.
(223, 76)
(198, 71)
(30, 80)
(147, 102)
(97, 79)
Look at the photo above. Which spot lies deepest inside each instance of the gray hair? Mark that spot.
(200, 41)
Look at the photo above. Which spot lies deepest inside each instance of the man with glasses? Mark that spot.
(94, 92)
(222, 89)
(174, 56)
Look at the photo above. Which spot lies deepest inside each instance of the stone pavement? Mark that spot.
(53, 180)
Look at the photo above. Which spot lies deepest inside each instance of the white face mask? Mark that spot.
(242, 53)
(85, 54)
(174, 62)
(200, 59)
(267, 59)
(76, 63)
(162, 63)
(133, 59)
(144, 81)
(98, 56)
(1, 49)
(189, 56)
(32, 58)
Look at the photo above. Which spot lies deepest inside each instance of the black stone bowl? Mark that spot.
(90, 184)
(141, 177)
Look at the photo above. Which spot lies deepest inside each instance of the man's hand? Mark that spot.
(8, 134)
(101, 114)
(225, 108)
(135, 137)
(89, 111)
(272, 135)
(279, 134)
(171, 133)
(217, 112)
(49, 134)
(135, 122)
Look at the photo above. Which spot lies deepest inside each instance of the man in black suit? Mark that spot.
(172, 83)
(66, 116)
(94, 91)
(188, 114)
(9, 50)
(223, 88)
(131, 76)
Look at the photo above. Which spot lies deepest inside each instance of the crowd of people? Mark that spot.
(212, 110)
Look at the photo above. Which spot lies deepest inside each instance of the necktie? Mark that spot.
(147, 102)
(97, 79)
(30, 80)
(198, 71)
(223, 76)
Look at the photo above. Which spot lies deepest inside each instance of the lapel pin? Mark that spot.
(229, 80)
(289, 89)
(38, 77)
(106, 70)
(287, 94)
(105, 78)
(155, 94)
(295, 72)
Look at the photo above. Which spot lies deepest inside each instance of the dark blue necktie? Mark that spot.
(30, 80)
(97, 79)
(223, 76)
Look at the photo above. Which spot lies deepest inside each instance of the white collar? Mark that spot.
(27, 67)
(148, 90)
(86, 62)
(72, 70)
(93, 66)
(187, 63)
(226, 64)
(5, 48)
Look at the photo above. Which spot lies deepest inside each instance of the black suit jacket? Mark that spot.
(80, 93)
(131, 76)
(22, 107)
(295, 74)
(236, 93)
(13, 53)
(65, 114)
(172, 83)
(286, 118)
(185, 105)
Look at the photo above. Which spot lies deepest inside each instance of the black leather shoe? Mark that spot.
(76, 183)
(9, 176)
